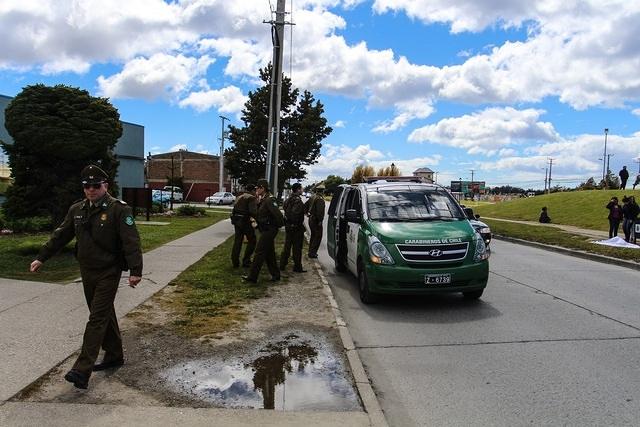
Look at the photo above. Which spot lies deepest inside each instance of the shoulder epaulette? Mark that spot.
(122, 202)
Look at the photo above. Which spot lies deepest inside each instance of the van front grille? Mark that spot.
(437, 253)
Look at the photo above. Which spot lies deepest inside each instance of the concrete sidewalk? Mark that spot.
(594, 234)
(42, 324)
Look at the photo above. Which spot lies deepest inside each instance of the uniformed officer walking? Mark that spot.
(107, 242)
(315, 209)
(294, 229)
(269, 219)
(244, 209)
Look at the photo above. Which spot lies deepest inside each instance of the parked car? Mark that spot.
(158, 196)
(479, 226)
(177, 193)
(220, 198)
(405, 238)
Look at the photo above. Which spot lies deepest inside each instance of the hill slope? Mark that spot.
(585, 209)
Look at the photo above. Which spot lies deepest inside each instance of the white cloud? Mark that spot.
(406, 112)
(636, 112)
(159, 76)
(226, 100)
(178, 147)
(340, 124)
(487, 131)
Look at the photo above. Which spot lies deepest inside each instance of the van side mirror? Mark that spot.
(352, 216)
(477, 216)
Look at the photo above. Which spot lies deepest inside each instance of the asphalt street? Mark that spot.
(555, 340)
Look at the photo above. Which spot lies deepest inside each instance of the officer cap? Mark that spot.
(263, 183)
(296, 186)
(92, 174)
(319, 188)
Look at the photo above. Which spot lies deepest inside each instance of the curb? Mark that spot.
(572, 252)
(367, 395)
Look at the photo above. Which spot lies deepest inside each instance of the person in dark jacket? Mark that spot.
(294, 229)
(636, 182)
(615, 216)
(630, 211)
(544, 216)
(624, 176)
(314, 208)
(107, 242)
(244, 209)
(269, 219)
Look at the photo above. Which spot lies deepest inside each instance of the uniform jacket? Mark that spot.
(269, 216)
(294, 210)
(315, 207)
(615, 211)
(104, 234)
(624, 174)
(246, 206)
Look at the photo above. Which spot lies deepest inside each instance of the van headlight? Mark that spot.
(481, 249)
(378, 252)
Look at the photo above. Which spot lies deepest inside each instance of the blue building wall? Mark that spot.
(129, 149)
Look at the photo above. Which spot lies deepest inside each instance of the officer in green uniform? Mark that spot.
(107, 242)
(269, 219)
(315, 209)
(244, 209)
(294, 229)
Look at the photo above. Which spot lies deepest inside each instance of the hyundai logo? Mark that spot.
(435, 253)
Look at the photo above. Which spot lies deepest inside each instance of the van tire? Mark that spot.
(471, 295)
(366, 296)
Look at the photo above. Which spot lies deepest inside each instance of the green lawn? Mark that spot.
(19, 250)
(584, 209)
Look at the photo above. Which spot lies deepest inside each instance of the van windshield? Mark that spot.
(412, 205)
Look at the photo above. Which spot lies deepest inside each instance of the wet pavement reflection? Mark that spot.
(295, 372)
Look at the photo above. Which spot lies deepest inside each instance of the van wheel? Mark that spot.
(366, 296)
(473, 294)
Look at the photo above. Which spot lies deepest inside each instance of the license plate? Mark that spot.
(437, 279)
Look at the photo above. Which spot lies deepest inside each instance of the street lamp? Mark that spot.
(604, 156)
(546, 171)
(221, 182)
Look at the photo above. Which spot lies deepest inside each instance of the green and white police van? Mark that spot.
(405, 238)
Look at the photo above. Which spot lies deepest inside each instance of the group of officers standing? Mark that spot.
(257, 206)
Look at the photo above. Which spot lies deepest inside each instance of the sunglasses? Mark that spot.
(94, 186)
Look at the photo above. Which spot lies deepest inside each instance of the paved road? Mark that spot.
(555, 340)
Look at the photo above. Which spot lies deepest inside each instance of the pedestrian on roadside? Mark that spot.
(615, 216)
(294, 229)
(624, 176)
(544, 216)
(314, 208)
(630, 211)
(269, 219)
(637, 181)
(245, 208)
(107, 243)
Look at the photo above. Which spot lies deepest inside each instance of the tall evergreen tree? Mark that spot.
(56, 131)
(302, 128)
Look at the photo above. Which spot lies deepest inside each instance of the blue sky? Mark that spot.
(495, 86)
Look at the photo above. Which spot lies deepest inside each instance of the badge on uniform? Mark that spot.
(129, 220)
(103, 217)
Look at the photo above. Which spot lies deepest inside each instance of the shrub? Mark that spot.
(190, 210)
(32, 224)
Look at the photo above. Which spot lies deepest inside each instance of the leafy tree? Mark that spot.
(56, 131)
(590, 184)
(507, 189)
(360, 172)
(389, 171)
(332, 182)
(302, 128)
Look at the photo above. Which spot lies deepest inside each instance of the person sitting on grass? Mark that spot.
(544, 216)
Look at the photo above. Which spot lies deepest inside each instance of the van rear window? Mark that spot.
(412, 205)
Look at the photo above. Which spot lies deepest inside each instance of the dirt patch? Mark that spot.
(285, 341)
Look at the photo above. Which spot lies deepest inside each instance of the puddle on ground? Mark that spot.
(295, 372)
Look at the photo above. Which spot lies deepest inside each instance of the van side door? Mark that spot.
(332, 222)
(354, 201)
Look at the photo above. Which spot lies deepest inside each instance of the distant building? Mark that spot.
(425, 173)
(129, 150)
(200, 173)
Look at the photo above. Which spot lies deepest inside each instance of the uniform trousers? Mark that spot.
(315, 227)
(241, 230)
(100, 287)
(265, 252)
(293, 242)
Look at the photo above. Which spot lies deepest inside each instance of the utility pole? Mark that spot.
(472, 187)
(638, 162)
(273, 137)
(172, 168)
(546, 170)
(221, 181)
(549, 179)
(604, 157)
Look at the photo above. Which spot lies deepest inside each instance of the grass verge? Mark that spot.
(558, 237)
(19, 250)
(208, 297)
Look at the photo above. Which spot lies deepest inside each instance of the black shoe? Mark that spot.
(299, 270)
(78, 379)
(108, 365)
(248, 279)
(275, 278)
(313, 255)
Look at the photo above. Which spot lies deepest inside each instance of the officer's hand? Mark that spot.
(35, 266)
(134, 280)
